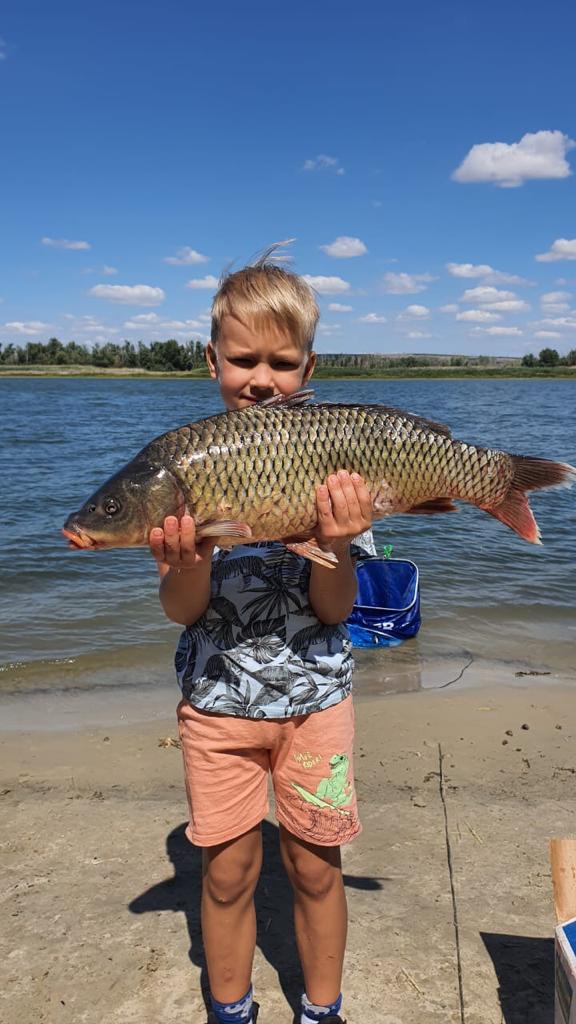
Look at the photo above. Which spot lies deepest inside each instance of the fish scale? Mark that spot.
(261, 466)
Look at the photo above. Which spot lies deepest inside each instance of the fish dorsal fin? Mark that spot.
(298, 398)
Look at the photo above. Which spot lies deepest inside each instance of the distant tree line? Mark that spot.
(550, 357)
(172, 355)
(159, 355)
(372, 360)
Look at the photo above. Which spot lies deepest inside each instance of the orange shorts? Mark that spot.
(227, 761)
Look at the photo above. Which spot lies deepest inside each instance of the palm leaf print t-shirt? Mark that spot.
(259, 650)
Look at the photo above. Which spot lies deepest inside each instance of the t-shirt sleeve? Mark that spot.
(363, 545)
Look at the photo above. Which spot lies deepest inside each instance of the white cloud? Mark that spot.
(547, 334)
(152, 322)
(344, 246)
(105, 270)
(27, 326)
(65, 243)
(144, 318)
(327, 285)
(406, 284)
(372, 318)
(561, 249)
(512, 331)
(181, 325)
(133, 295)
(323, 162)
(203, 282)
(415, 335)
(555, 302)
(89, 323)
(508, 306)
(416, 312)
(508, 165)
(469, 269)
(560, 321)
(450, 308)
(485, 271)
(185, 256)
(337, 307)
(477, 316)
(328, 328)
(486, 293)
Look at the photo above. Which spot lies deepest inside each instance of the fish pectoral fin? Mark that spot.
(298, 398)
(227, 531)
(430, 508)
(308, 550)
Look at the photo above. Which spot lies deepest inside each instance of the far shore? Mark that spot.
(402, 373)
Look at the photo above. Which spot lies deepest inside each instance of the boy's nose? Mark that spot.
(262, 378)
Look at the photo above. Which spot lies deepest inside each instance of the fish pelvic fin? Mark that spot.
(308, 550)
(530, 475)
(432, 507)
(227, 532)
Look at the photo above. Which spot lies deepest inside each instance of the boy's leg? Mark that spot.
(230, 874)
(320, 914)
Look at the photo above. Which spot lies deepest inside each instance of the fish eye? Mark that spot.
(111, 506)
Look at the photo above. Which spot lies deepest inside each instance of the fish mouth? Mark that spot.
(79, 539)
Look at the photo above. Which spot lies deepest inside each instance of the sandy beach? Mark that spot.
(100, 887)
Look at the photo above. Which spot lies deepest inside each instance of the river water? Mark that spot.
(84, 620)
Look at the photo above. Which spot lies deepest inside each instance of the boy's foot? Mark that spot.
(255, 1008)
(332, 1019)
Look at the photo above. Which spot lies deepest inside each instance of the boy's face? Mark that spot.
(251, 365)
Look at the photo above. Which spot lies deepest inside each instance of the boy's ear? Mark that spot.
(309, 367)
(212, 360)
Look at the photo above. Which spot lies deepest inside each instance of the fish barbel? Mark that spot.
(254, 472)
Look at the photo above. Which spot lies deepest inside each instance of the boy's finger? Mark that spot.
(323, 503)
(171, 535)
(187, 535)
(156, 540)
(363, 495)
(349, 491)
(337, 497)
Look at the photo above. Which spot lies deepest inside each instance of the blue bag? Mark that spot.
(387, 607)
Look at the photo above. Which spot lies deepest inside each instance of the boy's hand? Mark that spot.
(175, 545)
(344, 509)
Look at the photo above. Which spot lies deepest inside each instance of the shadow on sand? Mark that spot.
(525, 971)
(273, 899)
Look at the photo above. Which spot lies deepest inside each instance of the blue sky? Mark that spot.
(420, 154)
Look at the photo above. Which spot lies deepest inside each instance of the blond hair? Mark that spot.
(264, 292)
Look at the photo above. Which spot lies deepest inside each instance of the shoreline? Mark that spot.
(379, 676)
(95, 859)
(442, 374)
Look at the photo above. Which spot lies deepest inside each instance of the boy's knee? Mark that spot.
(311, 876)
(231, 877)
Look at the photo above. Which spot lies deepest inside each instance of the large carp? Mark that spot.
(254, 472)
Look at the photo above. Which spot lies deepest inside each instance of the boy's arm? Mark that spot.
(184, 568)
(344, 511)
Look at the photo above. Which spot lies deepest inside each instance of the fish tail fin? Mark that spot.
(530, 475)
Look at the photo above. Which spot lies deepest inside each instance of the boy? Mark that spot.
(265, 669)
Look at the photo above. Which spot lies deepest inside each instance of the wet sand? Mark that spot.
(100, 888)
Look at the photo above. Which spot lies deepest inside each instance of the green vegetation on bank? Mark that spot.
(171, 358)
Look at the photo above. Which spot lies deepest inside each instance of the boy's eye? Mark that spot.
(241, 361)
(286, 366)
